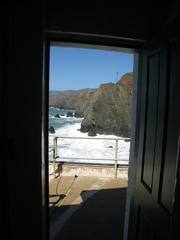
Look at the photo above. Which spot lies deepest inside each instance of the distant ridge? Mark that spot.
(71, 91)
(71, 99)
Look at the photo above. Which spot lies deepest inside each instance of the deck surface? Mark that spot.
(86, 208)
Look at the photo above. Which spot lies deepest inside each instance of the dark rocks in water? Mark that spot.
(89, 126)
(52, 130)
(86, 125)
(92, 132)
(57, 116)
(78, 114)
(69, 114)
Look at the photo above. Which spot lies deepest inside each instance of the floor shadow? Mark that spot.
(55, 198)
(100, 216)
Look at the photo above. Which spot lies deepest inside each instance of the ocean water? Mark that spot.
(83, 148)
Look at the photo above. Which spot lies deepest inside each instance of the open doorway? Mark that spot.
(89, 140)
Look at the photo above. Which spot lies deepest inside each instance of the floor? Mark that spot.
(86, 208)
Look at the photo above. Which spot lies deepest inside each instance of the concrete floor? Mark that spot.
(87, 208)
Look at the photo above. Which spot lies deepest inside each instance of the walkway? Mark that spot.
(87, 208)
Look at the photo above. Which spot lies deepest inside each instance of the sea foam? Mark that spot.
(87, 148)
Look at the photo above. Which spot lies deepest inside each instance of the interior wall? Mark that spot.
(24, 104)
(130, 20)
(3, 124)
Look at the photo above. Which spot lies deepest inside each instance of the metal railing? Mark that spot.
(53, 149)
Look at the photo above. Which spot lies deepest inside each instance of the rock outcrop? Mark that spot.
(57, 116)
(109, 111)
(78, 114)
(69, 114)
(52, 130)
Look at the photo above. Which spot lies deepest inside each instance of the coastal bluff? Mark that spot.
(106, 110)
(109, 111)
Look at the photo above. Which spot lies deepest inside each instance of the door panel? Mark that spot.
(153, 196)
(173, 120)
(151, 121)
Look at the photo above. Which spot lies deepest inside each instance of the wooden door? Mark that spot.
(152, 204)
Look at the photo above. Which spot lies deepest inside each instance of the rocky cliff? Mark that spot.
(106, 110)
(109, 111)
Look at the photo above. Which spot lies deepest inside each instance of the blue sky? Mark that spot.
(78, 68)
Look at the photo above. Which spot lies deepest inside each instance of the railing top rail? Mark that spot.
(97, 138)
(85, 158)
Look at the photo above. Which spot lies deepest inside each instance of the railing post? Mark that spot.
(116, 157)
(54, 155)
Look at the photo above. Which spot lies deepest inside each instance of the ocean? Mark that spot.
(83, 148)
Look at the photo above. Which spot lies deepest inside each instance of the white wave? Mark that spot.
(71, 118)
(89, 148)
